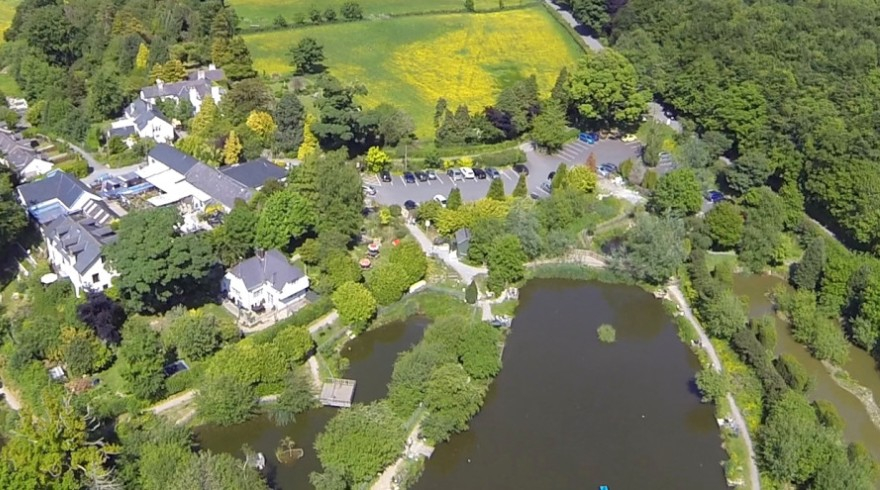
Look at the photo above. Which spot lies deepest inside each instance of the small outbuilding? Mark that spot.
(462, 242)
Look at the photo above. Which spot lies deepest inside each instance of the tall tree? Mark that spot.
(548, 128)
(605, 89)
(677, 192)
(234, 239)
(157, 266)
(143, 360)
(340, 197)
(453, 200)
(290, 118)
(307, 56)
(521, 189)
(808, 271)
(285, 215)
(232, 149)
(653, 249)
(496, 190)
(506, 262)
(104, 315)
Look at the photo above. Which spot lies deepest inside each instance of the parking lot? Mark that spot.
(539, 164)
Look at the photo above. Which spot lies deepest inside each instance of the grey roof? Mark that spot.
(56, 185)
(272, 268)
(80, 237)
(173, 158)
(176, 89)
(123, 132)
(218, 185)
(255, 173)
(145, 117)
(462, 235)
(137, 108)
(16, 151)
(213, 75)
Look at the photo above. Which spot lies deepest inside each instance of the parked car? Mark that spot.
(714, 196)
(607, 169)
(479, 173)
(454, 174)
(629, 138)
(467, 172)
(551, 175)
(369, 190)
(385, 176)
(440, 198)
(547, 186)
(521, 169)
(588, 138)
(421, 176)
(409, 178)
(410, 205)
(432, 175)
(493, 173)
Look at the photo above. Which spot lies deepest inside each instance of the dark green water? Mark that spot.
(568, 412)
(861, 366)
(372, 357)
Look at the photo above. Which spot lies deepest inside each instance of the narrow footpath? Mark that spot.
(738, 419)
(590, 41)
(467, 272)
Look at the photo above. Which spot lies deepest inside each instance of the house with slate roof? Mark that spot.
(141, 118)
(196, 88)
(266, 281)
(75, 224)
(185, 180)
(59, 193)
(75, 245)
(255, 173)
(21, 156)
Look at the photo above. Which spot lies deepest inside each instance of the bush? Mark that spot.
(471, 293)
(607, 334)
(181, 381)
(78, 168)
(502, 158)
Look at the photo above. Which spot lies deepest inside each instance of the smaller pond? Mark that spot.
(861, 365)
(372, 357)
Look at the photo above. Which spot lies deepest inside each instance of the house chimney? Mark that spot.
(201, 74)
(160, 83)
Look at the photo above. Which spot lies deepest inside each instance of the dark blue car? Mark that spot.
(714, 197)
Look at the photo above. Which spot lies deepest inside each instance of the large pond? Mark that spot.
(570, 412)
(372, 357)
(861, 366)
(566, 411)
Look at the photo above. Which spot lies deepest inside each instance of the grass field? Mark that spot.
(7, 11)
(263, 12)
(413, 61)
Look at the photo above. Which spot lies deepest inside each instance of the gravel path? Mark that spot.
(466, 272)
(738, 419)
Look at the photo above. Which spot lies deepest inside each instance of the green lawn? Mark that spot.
(413, 61)
(263, 12)
(7, 11)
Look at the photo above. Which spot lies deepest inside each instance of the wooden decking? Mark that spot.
(338, 393)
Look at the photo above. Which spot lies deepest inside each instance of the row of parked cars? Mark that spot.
(454, 174)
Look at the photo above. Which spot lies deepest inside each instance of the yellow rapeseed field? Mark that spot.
(468, 66)
(412, 61)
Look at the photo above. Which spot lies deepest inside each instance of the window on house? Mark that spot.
(95, 277)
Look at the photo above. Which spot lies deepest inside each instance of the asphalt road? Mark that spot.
(540, 165)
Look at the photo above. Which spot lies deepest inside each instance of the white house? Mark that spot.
(182, 178)
(267, 281)
(75, 245)
(143, 120)
(57, 194)
(20, 155)
(199, 85)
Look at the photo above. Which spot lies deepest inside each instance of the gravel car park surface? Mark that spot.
(539, 164)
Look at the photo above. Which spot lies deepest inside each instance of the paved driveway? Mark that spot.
(540, 165)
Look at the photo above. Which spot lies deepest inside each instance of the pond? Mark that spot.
(566, 411)
(372, 357)
(570, 412)
(861, 366)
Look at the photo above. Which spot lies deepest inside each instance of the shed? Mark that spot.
(462, 242)
(338, 393)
